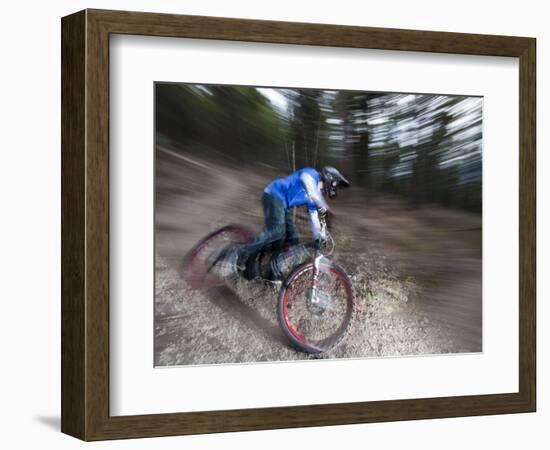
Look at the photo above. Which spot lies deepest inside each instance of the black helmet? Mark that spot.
(332, 178)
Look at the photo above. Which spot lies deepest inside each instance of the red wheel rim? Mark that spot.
(298, 336)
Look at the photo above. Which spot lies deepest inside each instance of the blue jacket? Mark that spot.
(298, 189)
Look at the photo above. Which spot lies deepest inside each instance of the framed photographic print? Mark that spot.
(271, 224)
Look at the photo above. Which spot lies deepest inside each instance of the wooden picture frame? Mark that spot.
(85, 224)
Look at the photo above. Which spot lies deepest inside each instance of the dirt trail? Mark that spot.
(417, 274)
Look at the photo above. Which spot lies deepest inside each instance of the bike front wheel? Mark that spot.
(316, 321)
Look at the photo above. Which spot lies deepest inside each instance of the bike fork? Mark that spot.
(316, 261)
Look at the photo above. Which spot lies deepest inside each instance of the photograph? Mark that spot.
(311, 224)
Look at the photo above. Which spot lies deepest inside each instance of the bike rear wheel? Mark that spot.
(197, 267)
(316, 325)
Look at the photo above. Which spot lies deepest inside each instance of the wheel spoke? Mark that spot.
(317, 322)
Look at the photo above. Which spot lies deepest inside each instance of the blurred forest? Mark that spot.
(425, 148)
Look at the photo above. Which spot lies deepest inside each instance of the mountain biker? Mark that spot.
(303, 187)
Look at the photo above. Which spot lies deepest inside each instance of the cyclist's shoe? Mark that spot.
(240, 263)
(225, 264)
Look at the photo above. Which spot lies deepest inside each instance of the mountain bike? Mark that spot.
(316, 303)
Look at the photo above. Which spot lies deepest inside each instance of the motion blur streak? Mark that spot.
(409, 228)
